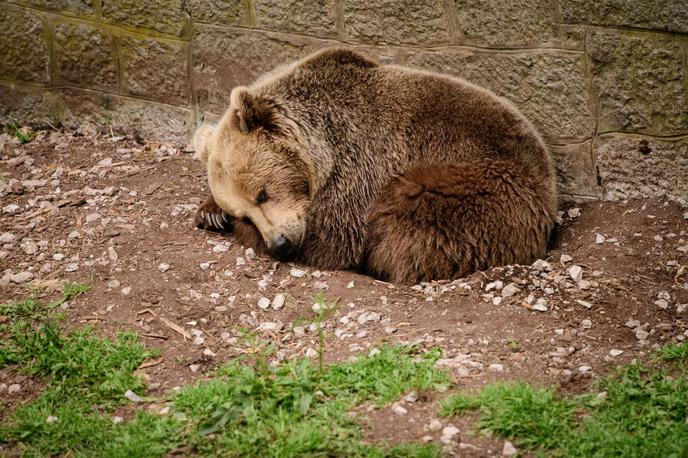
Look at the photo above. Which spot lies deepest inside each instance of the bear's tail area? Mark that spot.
(447, 220)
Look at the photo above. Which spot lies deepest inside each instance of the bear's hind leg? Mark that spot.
(446, 221)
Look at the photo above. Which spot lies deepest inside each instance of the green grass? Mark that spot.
(250, 408)
(643, 412)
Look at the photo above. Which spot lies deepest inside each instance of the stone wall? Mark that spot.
(606, 81)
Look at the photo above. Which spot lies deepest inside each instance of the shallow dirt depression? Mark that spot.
(115, 213)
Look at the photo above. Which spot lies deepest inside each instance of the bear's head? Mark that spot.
(259, 169)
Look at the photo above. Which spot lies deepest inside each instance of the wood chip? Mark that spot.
(146, 364)
(175, 327)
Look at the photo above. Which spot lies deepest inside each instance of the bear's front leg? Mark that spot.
(210, 217)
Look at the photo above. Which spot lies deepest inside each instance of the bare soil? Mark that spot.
(118, 214)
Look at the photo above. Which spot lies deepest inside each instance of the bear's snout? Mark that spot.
(282, 248)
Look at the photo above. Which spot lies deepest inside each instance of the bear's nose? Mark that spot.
(282, 248)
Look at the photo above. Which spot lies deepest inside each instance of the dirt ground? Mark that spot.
(117, 214)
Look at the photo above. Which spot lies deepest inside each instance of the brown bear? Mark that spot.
(339, 162)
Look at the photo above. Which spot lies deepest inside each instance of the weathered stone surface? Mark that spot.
(391, 21)
(318, 17)
(155, 69)
(575, 170)
(85, 56)
(506, 22)
(670, 15)
(73, 107)
(224, 59)
(640, 83)
(80, 7)
(549, 87)
(166, 16)
(637, 166)
(227, 12)
(24, 48)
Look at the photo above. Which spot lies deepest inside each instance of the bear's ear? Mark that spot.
(201, 142)
(251, 112)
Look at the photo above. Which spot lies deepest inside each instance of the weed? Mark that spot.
(513, 344)
(23, 137)
(674, 352)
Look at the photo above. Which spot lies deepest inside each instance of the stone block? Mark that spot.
(166, 16)
(506, 22)
(317, 17)
(77, 7)
(548, 87)
(227, 12)
(633, 166)
(24, 46)
(155, 69)
(391, 21)
(85, 56)
(224, 59)
(668, 15)
(639, 82)
(575, 170)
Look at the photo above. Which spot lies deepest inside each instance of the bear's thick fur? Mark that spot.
(404, 174)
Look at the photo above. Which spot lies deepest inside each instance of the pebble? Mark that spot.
(497, 300)
(584, 369)
(7, 237)
(586, 324)
(614, 352)
(133, 397)
(113, 284)
(496, 285)
(126, 290)
(541, 266)
(448, 434)
(576, 273)
(71, 267)
(58, 257)
(240, 262)
(92, 217)
(194, 367)
(509, 449)
(220, 248)
(632, 324)
(10, 209)
(310, 353)
(50, 419)
(278, 301)
(574, 212)
(204, 265)
(163, 267)
(299, 331)
(565, 258)
(21, 277)
(264, 303)
(641, 334)
(434, 426)
(297, 273)
(540, 305)
(350, 285)
(270, 326)
(662, 304)
(399, 410)
(14, 388)
(208, 353)
(250, 253)
(509, 290)
(496, 367)
(599, 239)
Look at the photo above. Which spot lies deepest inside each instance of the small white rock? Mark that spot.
(576, 273)
(250, 253)
(496, 367)
(540, 305)
(310, 353)
(21, 277)
(208, 352)
(399, 410)
(204, 265)
(434, 426)
(508, 449)
(264, 303)
(586, 324)
(585, 304)
(297, 273)
(574, 212)
(7, 237)
(92, 217)
(599, 239)
(278, 301)
(565, 258)
(614, 352)
(163, 267)
(126, 290)
(133, 397)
